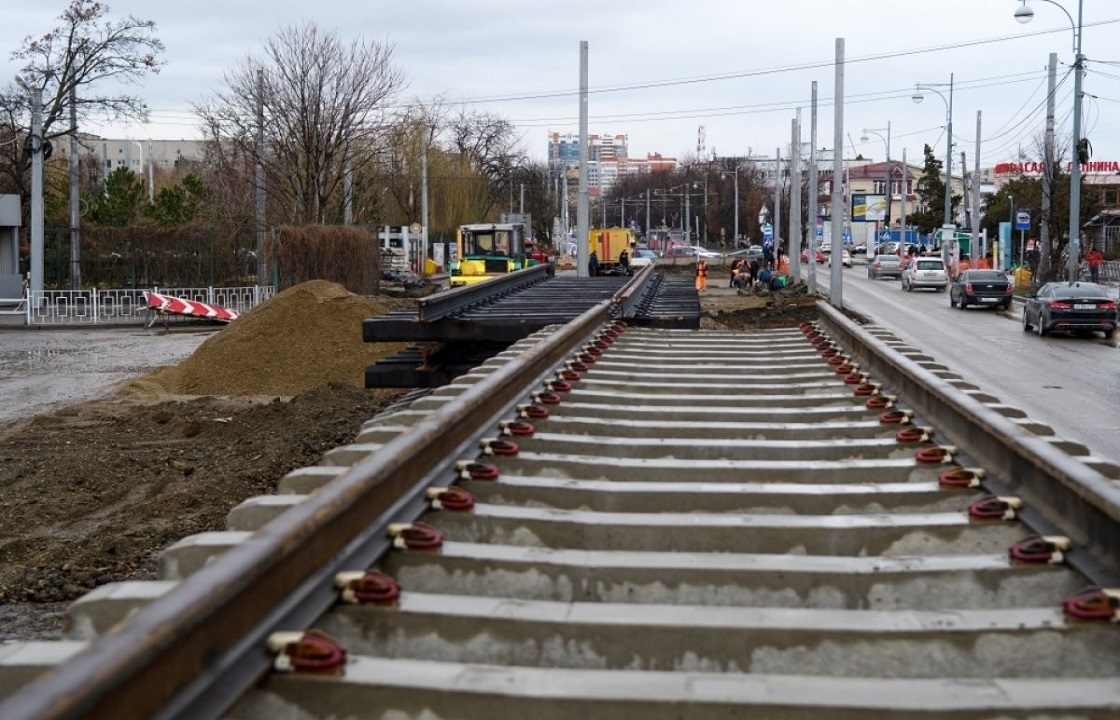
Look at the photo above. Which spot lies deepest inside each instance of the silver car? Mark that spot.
(925, 272)
(884, 266)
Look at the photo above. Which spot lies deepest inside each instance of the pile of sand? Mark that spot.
(306, 336)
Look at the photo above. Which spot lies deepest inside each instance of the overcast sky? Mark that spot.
(662, 69)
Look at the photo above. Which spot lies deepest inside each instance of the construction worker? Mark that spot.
(701, 274)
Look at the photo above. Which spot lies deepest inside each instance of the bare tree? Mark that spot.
(325, 105)
(486, 145)
(85, 50)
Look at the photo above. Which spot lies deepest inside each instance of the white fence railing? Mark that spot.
(92, 307)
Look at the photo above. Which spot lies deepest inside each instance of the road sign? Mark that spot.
(767, 231)
(820, 231)
(1022, 219)
(885, 235)
(847, 237)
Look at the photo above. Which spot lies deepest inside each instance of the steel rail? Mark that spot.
(1065, 492)
(191, 652)
(448, 302)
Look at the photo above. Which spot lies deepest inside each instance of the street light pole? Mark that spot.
(1024, 14)
(918, 97)
(889, 175)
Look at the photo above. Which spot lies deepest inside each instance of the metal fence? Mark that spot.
(121, 306)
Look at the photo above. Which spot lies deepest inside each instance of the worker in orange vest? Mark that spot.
(701, 274)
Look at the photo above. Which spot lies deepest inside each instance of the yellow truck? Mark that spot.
(608, 244)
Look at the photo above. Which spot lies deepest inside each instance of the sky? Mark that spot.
(714, 76)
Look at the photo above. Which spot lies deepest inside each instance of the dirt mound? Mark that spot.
(306, 336)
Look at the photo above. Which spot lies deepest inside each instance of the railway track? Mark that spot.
(644, 522)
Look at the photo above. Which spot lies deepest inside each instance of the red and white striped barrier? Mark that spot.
(178, 306)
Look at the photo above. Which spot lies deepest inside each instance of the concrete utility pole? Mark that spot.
(75, 197)
(902, 218)
(836, 292)
(647, 213)
(814, 190)
(261, 270)
(974, 245)
(777, 202)
(795, 198)
(424, 197)
(1048, 165)
(348, 184)
(35, 148)
(583, 207)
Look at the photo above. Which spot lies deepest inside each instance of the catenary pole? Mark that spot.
(261, 276)
(583, 207)
(75, 197)
(814, 190)
(836, 292)
(973, 246)
(795, 198)
(1048, 166)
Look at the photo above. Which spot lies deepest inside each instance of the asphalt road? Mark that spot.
(45, 369)
(1071, 384)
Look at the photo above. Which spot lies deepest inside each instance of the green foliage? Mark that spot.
(120, 201)
(179, 204)
(931, 191)
(1027, 192)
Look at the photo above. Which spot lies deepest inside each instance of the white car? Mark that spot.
(641, 258)
(845, 258)
(925, 272)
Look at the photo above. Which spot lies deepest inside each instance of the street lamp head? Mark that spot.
(1023, 13)
(917, 97)
(863, 138)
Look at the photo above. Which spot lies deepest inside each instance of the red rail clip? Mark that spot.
(1094, 604)
(311, 651)
(366, 587)
(476, 470)
(1040, 549)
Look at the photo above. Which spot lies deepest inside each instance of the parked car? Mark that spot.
(884, 266)
(1070, 307)
(641, 258)
(692, 251)
(805, 256)
(981, 287)
(845, 258)
(925, 272)
(754, 251)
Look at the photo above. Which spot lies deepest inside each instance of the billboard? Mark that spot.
(869, 208)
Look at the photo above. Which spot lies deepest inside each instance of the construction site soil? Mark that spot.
(91, 493)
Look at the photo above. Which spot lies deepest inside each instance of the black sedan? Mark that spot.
(980, 287)
(1070, 307)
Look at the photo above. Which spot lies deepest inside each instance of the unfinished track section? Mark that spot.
(610, 521)
(454, 330)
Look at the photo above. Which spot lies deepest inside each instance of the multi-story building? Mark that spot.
(608, 160)
(139, 156)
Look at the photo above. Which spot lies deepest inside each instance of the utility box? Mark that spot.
(11, 282)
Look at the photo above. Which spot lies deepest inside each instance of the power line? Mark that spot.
(770, 71)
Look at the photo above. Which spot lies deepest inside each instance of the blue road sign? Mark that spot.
(885, 235)
(1022, 219)
(820, 231)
